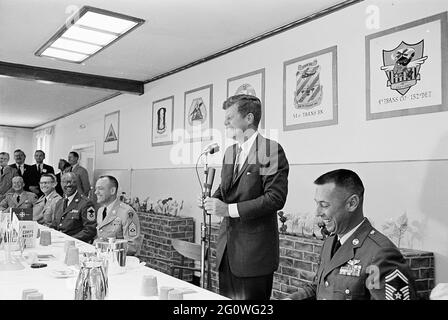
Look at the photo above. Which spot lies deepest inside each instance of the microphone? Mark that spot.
(209, 183)
(213, 148)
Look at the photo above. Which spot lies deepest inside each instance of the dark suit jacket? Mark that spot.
(383, 272)
(260, 190)
(27, 175)
(77, 220)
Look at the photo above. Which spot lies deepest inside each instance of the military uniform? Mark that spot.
(27, 200)
(122, 223)
(367, 266)
(77, 220)
(43, 210)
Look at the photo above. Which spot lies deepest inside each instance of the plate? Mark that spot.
(63, 273)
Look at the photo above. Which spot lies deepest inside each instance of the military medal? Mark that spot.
(351, 268)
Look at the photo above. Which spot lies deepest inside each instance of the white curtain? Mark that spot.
(8, 140)
(43, 140)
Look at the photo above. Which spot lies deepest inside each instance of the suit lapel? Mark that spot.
(347, 251)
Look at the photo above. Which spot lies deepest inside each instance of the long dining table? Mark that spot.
(57, 285)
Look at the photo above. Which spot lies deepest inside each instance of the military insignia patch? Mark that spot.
(397, 286)
(132, 229)
(91, 214)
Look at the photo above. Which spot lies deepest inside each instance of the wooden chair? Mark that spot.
(187, 250)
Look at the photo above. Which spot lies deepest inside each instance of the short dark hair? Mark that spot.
(343, 178)
(246, 104)
(49, 175)
(40, 151)
(66, 164)
(112, 180)
(21, 151)
(75, 154)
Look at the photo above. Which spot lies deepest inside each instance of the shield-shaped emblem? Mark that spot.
(308, 93)
(402, 65)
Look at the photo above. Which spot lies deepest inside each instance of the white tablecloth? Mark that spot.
(124, 286)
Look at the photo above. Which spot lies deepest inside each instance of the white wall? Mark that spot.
(402, 160)
(22, 139)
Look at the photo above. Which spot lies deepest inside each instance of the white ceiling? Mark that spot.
(175, 33)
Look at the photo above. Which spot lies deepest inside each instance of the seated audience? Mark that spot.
(44, 207)
(357, 261)
(17, 197)
(6, 174)
(74, 215)
(116, 219)
(63, 165)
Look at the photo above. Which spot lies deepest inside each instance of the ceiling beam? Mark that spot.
(71, 78)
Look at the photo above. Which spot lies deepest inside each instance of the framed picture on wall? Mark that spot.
(249, 83)
(198, 121)
(162, 121)
(310, 90)
(111, 132)
(406, 69)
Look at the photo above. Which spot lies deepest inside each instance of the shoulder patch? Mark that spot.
(91, 214)
(397, 286)
(132, 229)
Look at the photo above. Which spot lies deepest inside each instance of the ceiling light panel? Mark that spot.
(89, 31)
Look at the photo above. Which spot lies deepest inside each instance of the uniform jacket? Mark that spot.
(77, 220)
(26, 175)
(6, 180)
(368, 266)
(42, 212)
(122, 223)
(27, 200)
(260, 190)
(83, 176)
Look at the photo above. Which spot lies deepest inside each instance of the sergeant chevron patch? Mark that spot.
(397, 286)
(91, 214)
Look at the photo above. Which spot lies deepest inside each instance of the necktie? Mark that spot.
(336, 246)
(237, 163)
(65, 204)
(18, 199)
(39, 169)
(1, 171)
(20, 170)
(45, 200)
(104, 213)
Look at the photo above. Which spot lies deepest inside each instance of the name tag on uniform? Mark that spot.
(74, 211)
(351, 269)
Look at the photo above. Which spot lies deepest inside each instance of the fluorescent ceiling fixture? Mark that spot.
(64, 55)
(80, 34)
(77, 46)
(107, 23)
(89, 31)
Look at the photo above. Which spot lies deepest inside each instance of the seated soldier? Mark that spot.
(17, 197)
(357, 261)
(116, 219)
(44, 207)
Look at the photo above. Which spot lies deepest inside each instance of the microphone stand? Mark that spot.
(205, 245)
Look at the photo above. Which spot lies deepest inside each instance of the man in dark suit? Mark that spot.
(23, 169)
(254, 185)
(74, 214)
(6, 174)
(357, 261)
(83, 175)
(37, 170)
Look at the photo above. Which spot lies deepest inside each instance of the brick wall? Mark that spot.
(158, 230)
(298, 263)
